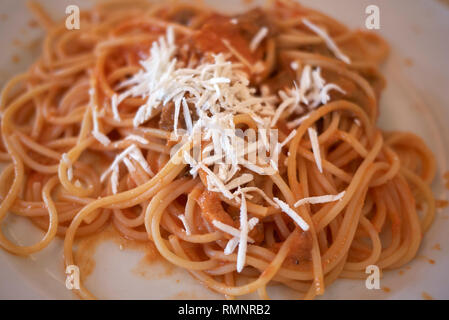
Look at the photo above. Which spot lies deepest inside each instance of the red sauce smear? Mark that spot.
(426, 296)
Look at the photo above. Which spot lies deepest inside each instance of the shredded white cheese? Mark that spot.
(289, 138)
(69, 165)
(239, 181)
(311, 92)
(101, 137)
(129, 165)
(320, 199)
(114, 179)
(132, 152)
(185, 223)
(233, 243)
(114, 107)
(328, 40)
(137, 138)
(241, 253)
(258, 38)
(137, 155)
(324, 94)
(297, 122)
(229, 230)
(313, 136)
(252, 223)
(292, 214)
(187, 117)
(259, 191)
(214, 91)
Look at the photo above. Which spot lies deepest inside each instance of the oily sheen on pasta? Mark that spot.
(136, 120)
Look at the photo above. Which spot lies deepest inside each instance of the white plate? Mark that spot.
(416, 99)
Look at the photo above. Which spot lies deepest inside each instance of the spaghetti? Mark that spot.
(101, 130)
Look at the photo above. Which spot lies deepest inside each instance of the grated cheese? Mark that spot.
(101, 137)
(311, 92)
(327, 39)
(137, 138)
(114, 179)
(297, 122)
(116, 161)
(187, 117)
(259, 191)
(324, 94)
(320, 199)
(241, 253)
(213, 180)
(114, 106)
(292, 214)
(258, 38)
(133, 152)
(69, 165)
(313, 136)
(231, 245)
(226, 228)
(252, 223)
(136, 154)
(129, 165)
(185, 223)
(289, 137)
(215, 91)
(239, 181)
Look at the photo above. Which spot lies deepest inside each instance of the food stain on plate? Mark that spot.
(441, 204)
(153, 265)
(409, 62)
(426, 296)
(427, 259)
(15, 59)
(86, 248)
(185, 295)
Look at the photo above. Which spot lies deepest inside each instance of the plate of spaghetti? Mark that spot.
(190, 150)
